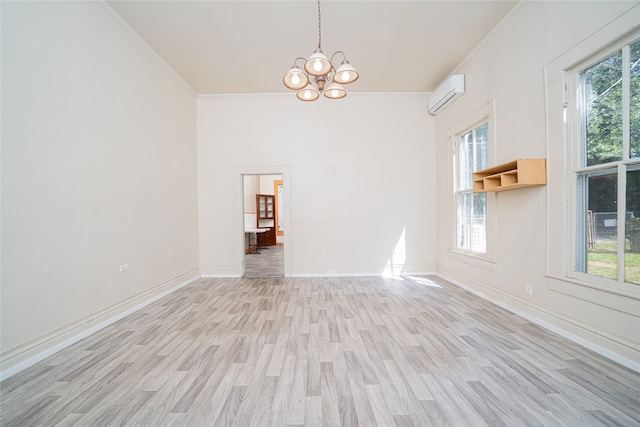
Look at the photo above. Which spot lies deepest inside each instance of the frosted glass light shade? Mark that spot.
(346, 73)
(308, 94)
(335, 91)
(295, 79)
(317, 64)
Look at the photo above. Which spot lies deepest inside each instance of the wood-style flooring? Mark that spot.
(366, 351)
(265, 262)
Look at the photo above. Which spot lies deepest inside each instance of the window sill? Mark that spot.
(595, 292)
(476, 260)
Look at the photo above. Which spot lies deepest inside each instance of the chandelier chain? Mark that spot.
(319, 28)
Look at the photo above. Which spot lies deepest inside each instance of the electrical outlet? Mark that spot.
(124, 267)
(324, 249)
(528, 288)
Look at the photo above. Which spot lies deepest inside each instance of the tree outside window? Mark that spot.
(608, 179)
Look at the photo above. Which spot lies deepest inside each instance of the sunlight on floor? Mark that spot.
(423, 281)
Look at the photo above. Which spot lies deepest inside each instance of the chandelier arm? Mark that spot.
(295, 61)
(332, 72)
(344, 56)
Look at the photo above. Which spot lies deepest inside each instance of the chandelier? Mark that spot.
(318, 72)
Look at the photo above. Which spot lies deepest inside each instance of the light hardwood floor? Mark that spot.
(266, 262)
(323, 352)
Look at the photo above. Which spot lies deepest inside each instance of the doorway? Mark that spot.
(263, 225)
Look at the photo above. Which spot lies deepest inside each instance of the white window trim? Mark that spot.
(574, 146)
(485, 260)
(561, 84)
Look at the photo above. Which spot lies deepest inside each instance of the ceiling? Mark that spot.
(239, 46)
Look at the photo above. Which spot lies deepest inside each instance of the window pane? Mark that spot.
(482, 138)
(464, 220)
(635, 101)
(603, 90)
(466, 162)
(632, 230)
(602, 220)
(479, 228)
(471, 207)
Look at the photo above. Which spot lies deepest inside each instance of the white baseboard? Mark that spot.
(219, 272)
(33, 352)
(220, 276)
(338, 274)
(631, 364)
(363, 270)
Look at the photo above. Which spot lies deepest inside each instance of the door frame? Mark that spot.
(277, 183)
(240, 172)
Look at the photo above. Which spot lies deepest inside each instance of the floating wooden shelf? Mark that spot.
(508, 176)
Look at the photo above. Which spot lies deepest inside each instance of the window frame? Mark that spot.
(487, 259)
(579, 172)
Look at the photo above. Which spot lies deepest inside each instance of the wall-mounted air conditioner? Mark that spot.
(446, 93)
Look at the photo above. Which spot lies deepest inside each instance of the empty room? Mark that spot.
(320, 213)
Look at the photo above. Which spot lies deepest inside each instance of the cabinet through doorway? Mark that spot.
(265, 219)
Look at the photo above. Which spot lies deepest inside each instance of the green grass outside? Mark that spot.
(603, 261)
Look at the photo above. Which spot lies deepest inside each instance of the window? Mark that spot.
(607, 169)
(471, 208)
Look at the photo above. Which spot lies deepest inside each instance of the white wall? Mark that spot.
(358, 177)
(266, 183)
(251, 188)
(98, 170)
(508, 67)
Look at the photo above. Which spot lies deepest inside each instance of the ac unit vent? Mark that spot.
(446, 93)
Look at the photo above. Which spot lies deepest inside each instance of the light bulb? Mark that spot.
(345, 76)
(317, 65)
(295, 79)
(335, 93)
(307, 94)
